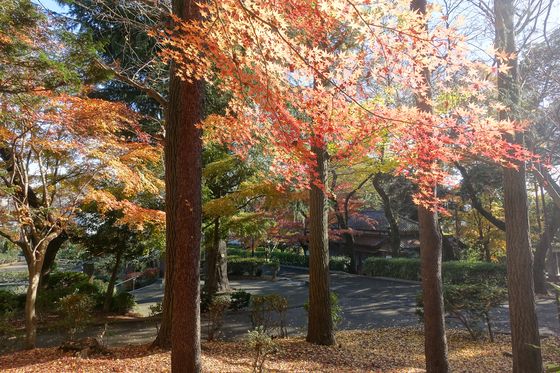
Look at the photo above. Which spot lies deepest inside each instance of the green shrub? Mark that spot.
(454, 272)
(244, 253)
(216, 311)
(290, 258)
(251, 265)
(403, 268)
(234, 251)
(61, 284)
(269, 312)
(240, 299)
(58, 280)
(339, 263)
(76, 310)
(8, 331)
(336, 263)
(463, 272)
(122, 303)
(11, 302)
(263, 345)
(470, 304)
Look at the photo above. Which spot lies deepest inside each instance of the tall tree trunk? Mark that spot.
(431, 250)
(320, 329)
(523, 318)
(395, 235)
(550, 228)
(112, 280)
(183, 175)
(216, 261)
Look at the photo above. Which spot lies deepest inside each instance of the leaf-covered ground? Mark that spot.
(380, 350)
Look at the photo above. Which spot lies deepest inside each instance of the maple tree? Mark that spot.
(57, 148)
(317, 80)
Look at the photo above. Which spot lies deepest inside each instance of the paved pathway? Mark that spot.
(366, 302)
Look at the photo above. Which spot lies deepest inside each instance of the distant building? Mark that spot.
(371, 232)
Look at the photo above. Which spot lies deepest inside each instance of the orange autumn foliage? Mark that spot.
(342, 75)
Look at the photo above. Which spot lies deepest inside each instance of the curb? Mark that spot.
(391, 279)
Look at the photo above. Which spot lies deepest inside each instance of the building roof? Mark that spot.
(375, 220)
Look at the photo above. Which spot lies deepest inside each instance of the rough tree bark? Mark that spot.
(523, 318)
(112, 280)
(183, 178)
(216, 262)
(551, 226)
(431, 248)
(388, 211)
(320, 328)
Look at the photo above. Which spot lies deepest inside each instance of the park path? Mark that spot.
(366, 302)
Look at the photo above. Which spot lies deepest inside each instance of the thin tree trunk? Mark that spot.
(112, 280)
(348, 240)
(431, 251)
(183, 175)
(216, 260)
(476, 204)
(50, 256)
(30, 304)
(435, 341)
(545, 241)
(163, 338)
(349, 245)
(388, 210)
(523, 318)
(320, 329)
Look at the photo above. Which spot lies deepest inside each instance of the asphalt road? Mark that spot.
(366, 303)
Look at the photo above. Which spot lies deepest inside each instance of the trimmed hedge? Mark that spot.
(244, 253)
(403, 268)
(252, 265)
(337, 263)
(454, 272)
(292, 259)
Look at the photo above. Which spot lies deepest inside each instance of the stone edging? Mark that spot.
(392, 279)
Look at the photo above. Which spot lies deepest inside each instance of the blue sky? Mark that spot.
(50, 5)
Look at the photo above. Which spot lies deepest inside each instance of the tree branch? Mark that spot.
(152, 93)
(500, 224)
(545, 179)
